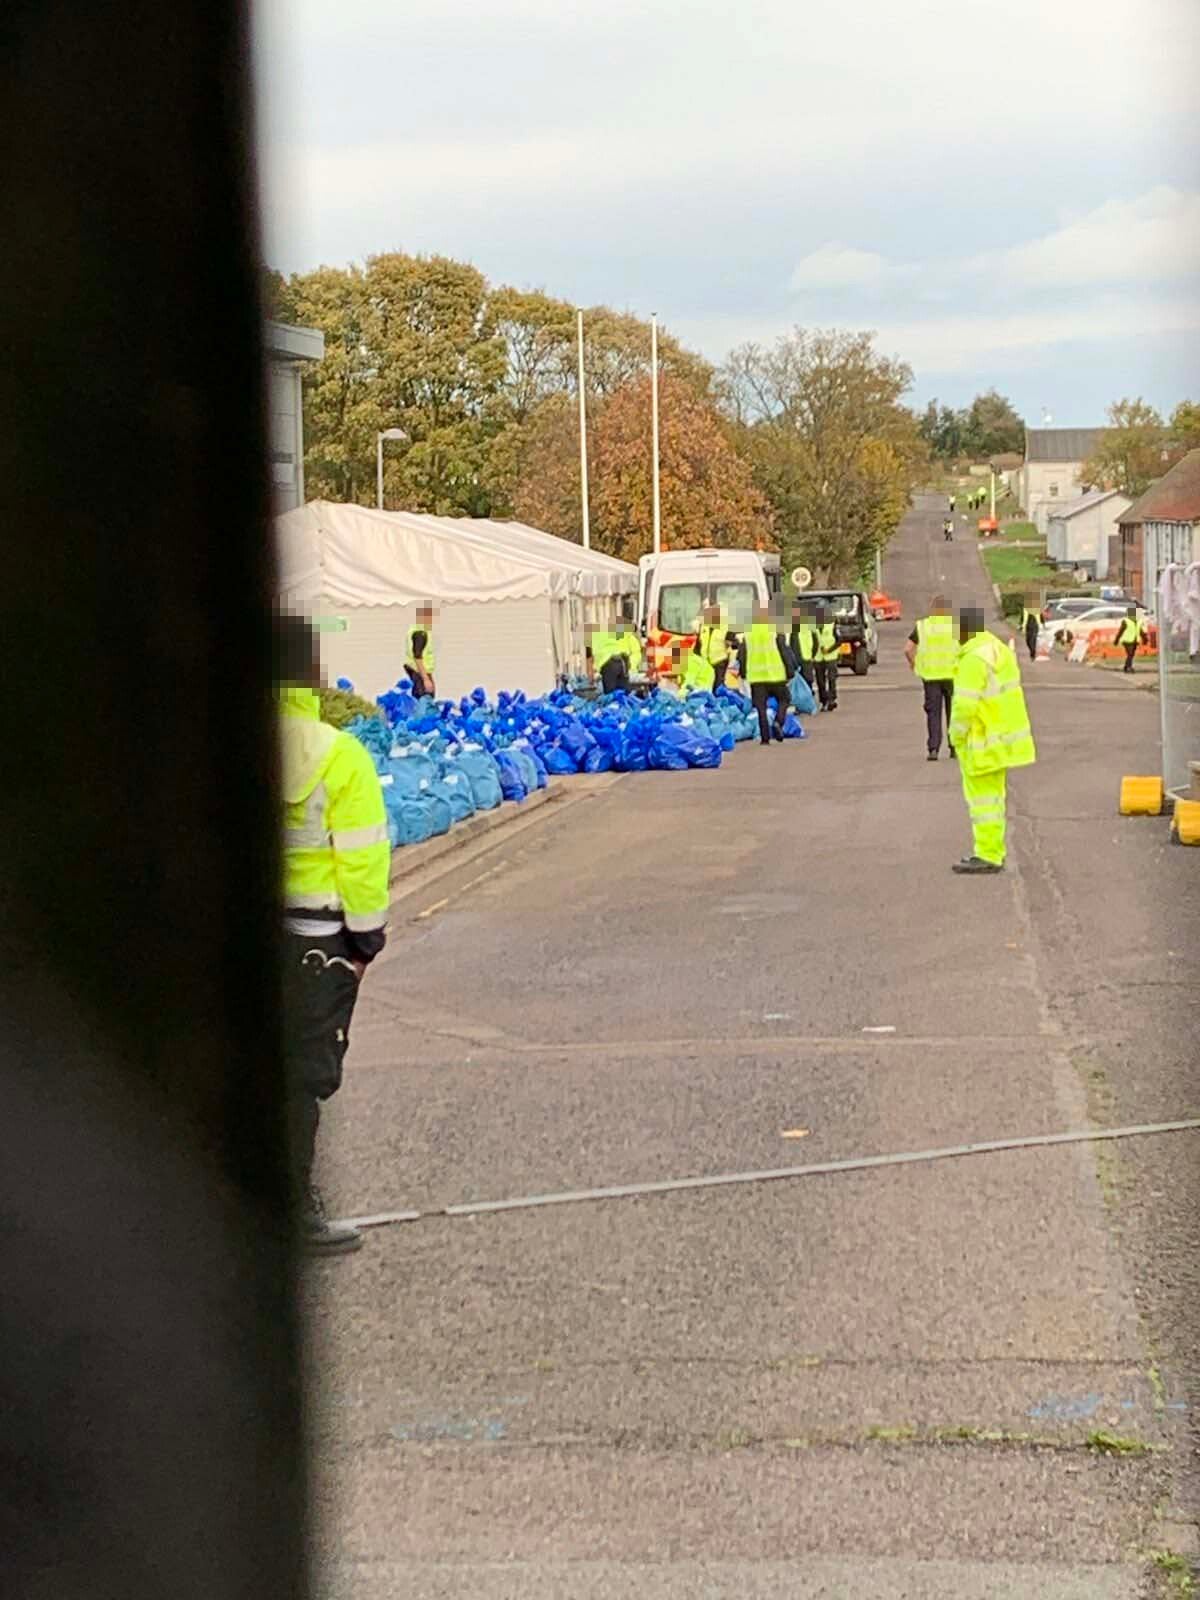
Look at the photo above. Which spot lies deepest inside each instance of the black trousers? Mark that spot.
(614, 674)
(807, 673)
(1130, 652)
(760, 694)
(1031, 634)
(320, 988)
(827, 676)
(938, 695)
(720, 668)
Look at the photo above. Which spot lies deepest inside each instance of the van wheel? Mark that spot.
(862, 661)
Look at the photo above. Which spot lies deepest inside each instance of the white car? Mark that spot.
(1085, 623)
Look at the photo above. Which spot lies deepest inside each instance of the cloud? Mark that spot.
(1152, 239)
(835, 266)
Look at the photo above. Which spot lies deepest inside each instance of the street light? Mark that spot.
(388, 433)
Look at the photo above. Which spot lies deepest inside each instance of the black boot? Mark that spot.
(322, 1237)
(974, 865)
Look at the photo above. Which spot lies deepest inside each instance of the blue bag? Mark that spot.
(576, 741)
(801, 696)
(512, 784)
(598, 759)
(559, 763)
(480, 771)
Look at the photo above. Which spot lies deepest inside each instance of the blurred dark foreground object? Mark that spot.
(150, 1406)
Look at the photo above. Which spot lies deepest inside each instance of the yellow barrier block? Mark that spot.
(1141, 797)
(1185, 822)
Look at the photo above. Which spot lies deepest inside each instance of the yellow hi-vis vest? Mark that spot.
(427, 654)
(1134, 636)
(764, 664)
(700, 673)
(806, 641)
(712, 644)
(827, 645)
(989, 725)
(937, 648)
(336, 854)
(1027, 616)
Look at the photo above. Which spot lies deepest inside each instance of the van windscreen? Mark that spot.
(680, 604)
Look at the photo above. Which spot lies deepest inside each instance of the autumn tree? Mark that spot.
(820, 416)
(991, 427)
(1133, 451)
(1184, 427)
(706, 490)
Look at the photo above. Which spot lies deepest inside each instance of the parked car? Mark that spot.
(1082, 624)
(1074, 605)
(850, 611)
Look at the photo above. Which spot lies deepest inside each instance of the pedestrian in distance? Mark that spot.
(990, 732)
(948, 529)
(1031, 626)
(761, 665)
(336, 860)
(1129, 635)
(951, 505)
(804, 642)
(419, 653)
(828, 649)
(932, 653)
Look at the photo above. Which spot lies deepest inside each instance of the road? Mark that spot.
(884, 1382)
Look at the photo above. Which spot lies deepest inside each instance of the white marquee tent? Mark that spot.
(510, 601)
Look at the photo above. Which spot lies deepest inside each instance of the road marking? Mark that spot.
(457, 894)
(722, 1180)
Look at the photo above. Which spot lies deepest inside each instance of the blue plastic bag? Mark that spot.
(455, 788)
(598, 759)
(801, 696)
(480, 771)
(512, 784)
(576, 741)
(559, 762)
(792, 728)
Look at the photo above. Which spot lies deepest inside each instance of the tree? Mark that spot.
(706, 489)
(1133, 450)
(1185, 427)
(834, 450)
(992, 427)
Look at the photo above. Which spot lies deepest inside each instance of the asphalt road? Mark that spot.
(885, 1383)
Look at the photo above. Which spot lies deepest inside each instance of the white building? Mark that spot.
(288, 350)
(1077, 532)
(511, 603)
(1053, 469)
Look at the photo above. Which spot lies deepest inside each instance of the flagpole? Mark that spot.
(654, 427)
(583, 461)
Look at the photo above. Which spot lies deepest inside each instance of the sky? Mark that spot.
(1007, 193)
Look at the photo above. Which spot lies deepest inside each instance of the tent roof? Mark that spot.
(352, 555)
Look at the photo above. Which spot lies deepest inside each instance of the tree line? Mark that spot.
(804, 446)
(989, 426)
(1139, 445)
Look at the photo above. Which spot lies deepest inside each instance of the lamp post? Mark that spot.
(657, 517)
(388, 433)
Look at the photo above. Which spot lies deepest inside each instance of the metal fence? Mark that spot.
(1179, 675)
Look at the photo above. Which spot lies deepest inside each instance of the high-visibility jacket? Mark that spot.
(937, 648)
(336, 854)
(1028, 616)
(1134, 635)
(605, 645)
(989, 724)
(700, 673)
(827, 645)
(764, 664)
(806, 641)
(426, 654)
(712, 644)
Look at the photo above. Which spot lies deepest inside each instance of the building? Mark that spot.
(1161, 527)
(1053, 469)
(1078, 531)
(288, 351)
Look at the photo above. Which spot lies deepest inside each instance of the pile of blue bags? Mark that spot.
(439, 762)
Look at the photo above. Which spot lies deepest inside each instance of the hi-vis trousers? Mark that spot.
(986, 794)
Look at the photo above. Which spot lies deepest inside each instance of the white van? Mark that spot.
(675, 586)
